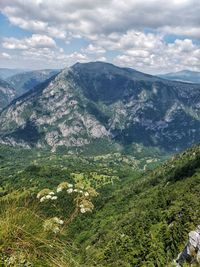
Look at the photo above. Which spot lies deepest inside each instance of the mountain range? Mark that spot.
(6, 72)
(15, 83)
(184, 76)
(98, 102)
(25, 81)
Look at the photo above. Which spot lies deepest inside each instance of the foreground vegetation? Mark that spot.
(23, 242)
(139, 218)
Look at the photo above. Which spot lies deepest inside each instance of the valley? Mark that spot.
(113, 155)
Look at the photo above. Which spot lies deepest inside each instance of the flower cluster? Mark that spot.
(92, 192)
(53, 225)
(46, 194)
(86, 206)
(16, 259)
(70, 188)
(65, 185)
(81, 193)
(84, 195)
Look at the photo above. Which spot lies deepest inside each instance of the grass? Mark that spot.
(23, 242)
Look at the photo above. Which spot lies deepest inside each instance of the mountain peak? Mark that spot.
(104, 68)
(98, 101)
(96, 66)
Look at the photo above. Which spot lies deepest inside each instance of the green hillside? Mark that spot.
(139, 218)
(146, 223)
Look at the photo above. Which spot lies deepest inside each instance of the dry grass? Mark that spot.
(22, 238)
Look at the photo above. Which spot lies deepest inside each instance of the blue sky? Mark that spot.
(9, 30)
(153, 36)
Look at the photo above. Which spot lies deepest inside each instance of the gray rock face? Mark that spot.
(7, 93)
(101, 101)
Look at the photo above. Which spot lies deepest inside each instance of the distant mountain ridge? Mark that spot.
(184, 75)
(16, 84)
(25, 81)
(99, 101)
(6, 72)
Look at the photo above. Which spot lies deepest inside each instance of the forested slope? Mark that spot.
(139, 218)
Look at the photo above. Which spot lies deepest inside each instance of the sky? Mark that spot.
(152, 36)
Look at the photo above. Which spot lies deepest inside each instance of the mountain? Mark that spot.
(5, 72)
(26, 81)
(101, 103)
(184, 75)
(7, 93)
(17, 83)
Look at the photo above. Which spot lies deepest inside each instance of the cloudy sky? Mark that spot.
(153, 36)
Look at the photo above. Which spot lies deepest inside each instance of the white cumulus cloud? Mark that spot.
(5, 55)
(36, 40)
(133, 31)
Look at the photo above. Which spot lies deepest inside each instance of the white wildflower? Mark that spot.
(51, 193)
(56, 229)
(81, 206)
(86, 194)
(70, 190)
(59, 189)
(42, 199)
(75, 190)
(83, 210)
(54, 197)
(53, 224)
(64, 185)
(43, 193)
(88, 209)
(48, 197)
(61, 222)
(57, 220)
(80, 191)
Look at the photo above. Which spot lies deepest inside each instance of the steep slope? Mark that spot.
(145, 222)
(7, 93)
(99, 101)
(25, 81)
(184, 75)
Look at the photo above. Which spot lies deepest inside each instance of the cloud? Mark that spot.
(133, 31)
(128, 40)
(92, 49)
(101, 59)
(38, 26)
(36, 40)
(189, 31)
(182, 54)
(88, 17)
(37, 52)
(5, 55)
